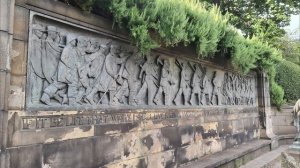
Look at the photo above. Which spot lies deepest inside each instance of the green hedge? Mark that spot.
(288, 76)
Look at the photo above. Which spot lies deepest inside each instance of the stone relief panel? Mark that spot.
(72, 67)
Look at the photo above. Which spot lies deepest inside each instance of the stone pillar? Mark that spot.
(264, 104)
(6, 36)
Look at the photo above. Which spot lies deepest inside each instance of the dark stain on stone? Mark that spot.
(85, 128)
(224, 129)
(229, 141)
(148, 141)
(208, 143)
(170, 164)
(142, 163)
(250, 135)
(210, 134)
(107, 129)
(240, 137)
(181, 156)
(174, 162)
(172, 136)
(199, 129)
(186, 130)
(105, 150)
(129, 126)
(126, 151)
(225, 110)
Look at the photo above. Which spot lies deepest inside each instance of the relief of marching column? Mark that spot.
(74, 67)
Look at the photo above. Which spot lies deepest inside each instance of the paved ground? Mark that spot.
(227, 155)
(268, 160)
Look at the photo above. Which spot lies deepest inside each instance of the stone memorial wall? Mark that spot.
(88, 98)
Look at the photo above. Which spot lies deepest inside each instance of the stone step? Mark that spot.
(233, 157)
(267, 160)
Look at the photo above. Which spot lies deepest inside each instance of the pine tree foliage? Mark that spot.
(167, 23)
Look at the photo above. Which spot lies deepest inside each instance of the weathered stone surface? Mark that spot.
(18, 81)
(16, 99)
(5, 15)
(181, 127)
(25, 157)
(18, 59)
(4, 50)
(21, 20)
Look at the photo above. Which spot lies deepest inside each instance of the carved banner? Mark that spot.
(77, 68)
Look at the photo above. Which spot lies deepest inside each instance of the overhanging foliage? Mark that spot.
(155, 23)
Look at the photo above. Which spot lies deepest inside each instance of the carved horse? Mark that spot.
(296, 109)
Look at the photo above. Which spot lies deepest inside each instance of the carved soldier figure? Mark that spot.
(132, 67)
(110, 76)
(217, 88)
(228, 88)
(165, 82)
(244, 91)
(234, 89)
(207, 90)
(36, 62)
(238, 90)
(123, 80)
(149, 77)
(97, 60)
(113, 60)
(250, 92)
(130, 83)
(184, 86)
(51, 52)
(51, 90)
(45, 61)
(197, 83)
(72, 59)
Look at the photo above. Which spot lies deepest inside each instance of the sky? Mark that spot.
(294, 27)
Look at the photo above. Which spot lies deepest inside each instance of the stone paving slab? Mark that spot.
(226, 156)
(270, 159)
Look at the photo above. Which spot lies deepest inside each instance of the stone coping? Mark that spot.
(287, 136)
(228, 155)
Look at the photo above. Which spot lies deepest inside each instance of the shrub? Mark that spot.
(277, 94)
(288, 76)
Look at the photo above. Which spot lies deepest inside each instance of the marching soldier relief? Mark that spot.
(79, 69)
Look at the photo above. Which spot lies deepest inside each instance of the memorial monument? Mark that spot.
(79, 94)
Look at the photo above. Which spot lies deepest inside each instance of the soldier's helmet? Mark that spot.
(70, 39)
(114, 48)
(38, 30)
(52, 29)
(82, 42)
